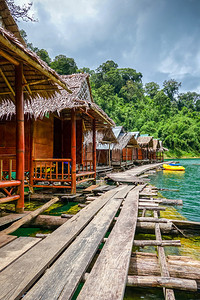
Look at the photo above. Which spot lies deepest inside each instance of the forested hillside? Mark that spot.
(159, 111)
(163, 112)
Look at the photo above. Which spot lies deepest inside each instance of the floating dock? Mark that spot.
(53, 267)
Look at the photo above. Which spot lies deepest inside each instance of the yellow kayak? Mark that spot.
(173, 167)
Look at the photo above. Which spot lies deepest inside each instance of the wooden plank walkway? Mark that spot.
(107, 279)
(72, 264)
(17, 278)
(132, 174)
(12, 251)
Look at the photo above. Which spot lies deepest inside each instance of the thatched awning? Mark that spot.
(39, 79)
(145, 141)
(126, 140)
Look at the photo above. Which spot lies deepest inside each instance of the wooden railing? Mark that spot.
(7, 161)
(8, 186)
(48, 172)
(87, 165)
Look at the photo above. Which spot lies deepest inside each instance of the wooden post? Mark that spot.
(94, 147)
(73, 151)
(82, 147)
(20, 144)
(109, 161)
(31, 156)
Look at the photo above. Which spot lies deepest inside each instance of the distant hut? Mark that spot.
(104, 148)
(146, 147)
(122, 153)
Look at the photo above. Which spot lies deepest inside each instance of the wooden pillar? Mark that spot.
(94, 146)
(82, 142)
(109, 161)
(73, 151)
(20, 144)
(31, 156)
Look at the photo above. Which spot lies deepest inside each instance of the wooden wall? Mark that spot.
(102, 157)
(67, 140)
(116, 155)
(8, 141)
(43, 134)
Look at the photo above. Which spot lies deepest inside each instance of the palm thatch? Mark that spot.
(156, 145)
(145, 141)
(38, 78)
(126, 140)
(79, 99)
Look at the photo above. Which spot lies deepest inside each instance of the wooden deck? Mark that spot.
(52, 268)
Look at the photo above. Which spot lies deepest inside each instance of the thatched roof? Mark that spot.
(156, 144)
(63, 102)
(39, 79)
(8, 22)
(145, 141)
(126, 140)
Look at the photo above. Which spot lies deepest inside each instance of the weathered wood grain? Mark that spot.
(169, 293)
(62, 279)
(18, 277)
(15, 249)
(109, 273)
(5, 239)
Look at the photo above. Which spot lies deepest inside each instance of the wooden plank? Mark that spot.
(28, 217)
(72, 264)
(12, 251)
(18, 277)
(5, 239)
(169, 293)
(90, 188)
(10, 219)
(109, 273)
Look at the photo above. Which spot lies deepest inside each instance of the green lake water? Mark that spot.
(188, 185)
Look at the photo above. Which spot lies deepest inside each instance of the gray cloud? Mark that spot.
(159, 38)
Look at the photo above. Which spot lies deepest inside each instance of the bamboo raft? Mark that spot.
(52, 267)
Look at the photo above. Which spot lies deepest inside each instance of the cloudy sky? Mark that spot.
(159, 38)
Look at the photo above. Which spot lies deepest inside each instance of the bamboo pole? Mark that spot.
(28, 217)
(20, 143)
(94, 147)
(73, 151)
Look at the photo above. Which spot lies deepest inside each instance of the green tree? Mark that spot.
(151, 89)
(64, 65)
(171, 88)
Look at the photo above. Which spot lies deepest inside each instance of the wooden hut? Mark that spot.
(23, 76)
(146, 147)
(104, 148)
(54, 142)
(123, 151)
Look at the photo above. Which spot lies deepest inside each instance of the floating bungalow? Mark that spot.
(23, 76)
(146, 147)
(125, 151)
(43, 121)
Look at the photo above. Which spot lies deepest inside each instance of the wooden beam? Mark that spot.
(30, 61)
(20, 139)
(7, 82)
(162, 282)
(27, 85)
(9, 58)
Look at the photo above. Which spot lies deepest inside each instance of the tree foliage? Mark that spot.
(64, 65)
